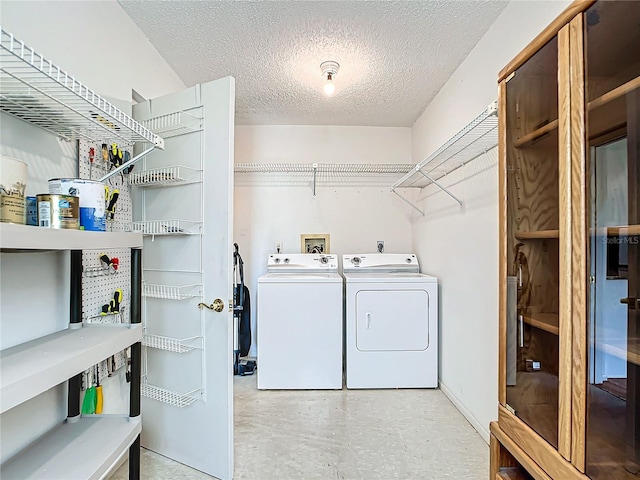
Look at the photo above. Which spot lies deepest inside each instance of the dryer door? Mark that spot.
(392, 320)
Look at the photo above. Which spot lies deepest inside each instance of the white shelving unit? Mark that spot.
(33, 367)
(167, 227)
(87, 449)
(318, 174)
(167, 396)
(474, 140)
(171, 292)
(42, 94)
(165, 177)
(174, 124)
(177, 345)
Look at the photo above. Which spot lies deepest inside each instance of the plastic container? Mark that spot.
(13, 185)
(92, 197)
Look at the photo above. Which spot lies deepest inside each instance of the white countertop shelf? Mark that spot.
(87, 449)
(27, 237)
(41, 93)
(28, 369)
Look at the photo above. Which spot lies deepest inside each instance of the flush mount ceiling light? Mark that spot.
(329, 70)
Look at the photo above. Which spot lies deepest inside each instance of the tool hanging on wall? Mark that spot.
(114, 304)
(112, 198)
(99, 399)
(89, 401)
(109, 262)
(127, 157)
(105, 152)
(92, 154)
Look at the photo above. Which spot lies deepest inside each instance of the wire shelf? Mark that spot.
(330, 174)
(169, 344)
(174, 124)
(165, 177)
(478, 137)
(167, 227)
(167, 396)
(170, 292)
(41, 93)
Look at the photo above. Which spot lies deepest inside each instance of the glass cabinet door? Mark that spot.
(612, 71)
(532, 246)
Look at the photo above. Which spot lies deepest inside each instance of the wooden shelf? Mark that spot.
(26, 237)
(511, 473)
(31, 368)
(88, 448)
(610, 231)
(631, 355)
(544, 321)
(538, 235)
(592, 105)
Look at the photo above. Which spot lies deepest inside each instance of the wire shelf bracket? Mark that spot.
(474, 140)
(37, 91)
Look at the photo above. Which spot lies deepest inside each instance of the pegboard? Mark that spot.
(98, 285)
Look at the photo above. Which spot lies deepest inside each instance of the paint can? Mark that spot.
(58, 211)
(13, 184)
(92, 198)
(32, 211)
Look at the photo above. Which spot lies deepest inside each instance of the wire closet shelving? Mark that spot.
(474, 140)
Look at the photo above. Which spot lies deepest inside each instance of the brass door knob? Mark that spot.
(217, 305)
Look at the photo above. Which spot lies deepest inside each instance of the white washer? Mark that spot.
(391, 322)
(299, 323)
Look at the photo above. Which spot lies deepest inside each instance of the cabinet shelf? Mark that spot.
(592, 105)
(31, 368)
(608, 231)
(167, 227)
(544, 321)
(165, 177)
(540, 234)
(167, 396)
(88, 448)
(38, 92)
(630, 354)
(27, 237)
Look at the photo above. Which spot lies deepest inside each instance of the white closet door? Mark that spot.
(184, 202)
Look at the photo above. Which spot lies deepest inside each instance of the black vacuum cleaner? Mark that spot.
(241, 319)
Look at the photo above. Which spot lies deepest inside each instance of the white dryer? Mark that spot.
(391, 322)
(299, 323)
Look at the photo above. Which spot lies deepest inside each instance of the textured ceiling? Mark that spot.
(394, 56)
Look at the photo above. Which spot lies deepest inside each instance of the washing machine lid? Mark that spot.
(380, 262)
(388, 277)
(300, 277)
(302, 262)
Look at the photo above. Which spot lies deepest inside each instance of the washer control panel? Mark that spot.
(302, 261)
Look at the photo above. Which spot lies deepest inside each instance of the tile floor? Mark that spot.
(342, 435)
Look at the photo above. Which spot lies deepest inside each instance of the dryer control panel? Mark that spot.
(382, 262)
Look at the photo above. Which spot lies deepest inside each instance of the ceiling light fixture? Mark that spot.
(329, 70)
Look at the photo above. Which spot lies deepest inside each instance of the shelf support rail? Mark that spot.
(441, 187)
(127, 164)
(407, 201)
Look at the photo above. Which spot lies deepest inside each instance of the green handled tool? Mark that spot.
(89, 401)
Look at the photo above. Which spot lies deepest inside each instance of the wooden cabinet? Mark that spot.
(569, 129)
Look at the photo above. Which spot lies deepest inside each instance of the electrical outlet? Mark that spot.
(380, 246)
(278, 247)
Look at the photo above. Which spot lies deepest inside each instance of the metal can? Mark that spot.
(58, 211)
(92, 200)
(32, 211)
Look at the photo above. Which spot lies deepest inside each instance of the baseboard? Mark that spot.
(483, 430)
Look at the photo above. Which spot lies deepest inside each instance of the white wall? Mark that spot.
(98, 44)
(355, 216)
(460, 244)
